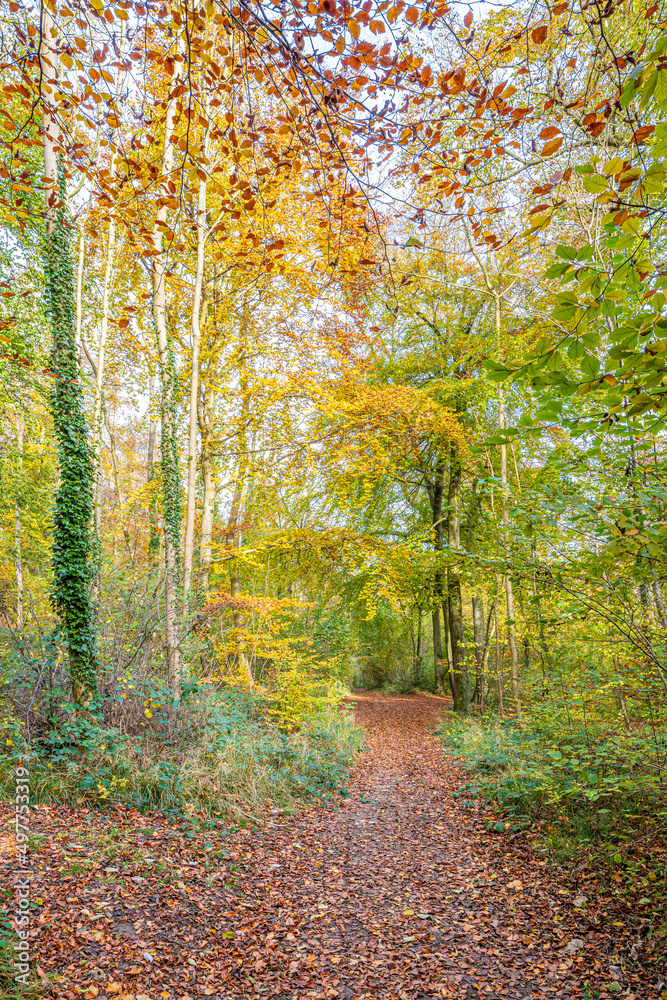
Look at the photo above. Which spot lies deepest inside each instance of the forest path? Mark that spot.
(398, 892)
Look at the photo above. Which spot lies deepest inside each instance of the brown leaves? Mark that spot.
(539, 35)
(356, 898)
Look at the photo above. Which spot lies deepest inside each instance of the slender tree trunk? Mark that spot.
(435, 495)
(196, 318)
(458, 665)
(74, 501)
(498, 677)
(99, 379)
(79, 287)
(170, 471)
(233, 533)
(153, 535)
(437, 648)
(234, 539)
(488, 636)
(509, 595)
(417, 666)
(208, 477)
(18, 561)
(480, 642)
(660, 607)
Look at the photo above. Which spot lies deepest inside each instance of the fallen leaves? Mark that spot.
(396, 892)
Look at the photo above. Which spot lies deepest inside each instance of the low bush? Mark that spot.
(219, 753)
(539, 770)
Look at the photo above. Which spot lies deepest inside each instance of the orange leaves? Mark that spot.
(457, 79)
(642, 133)
(539, 35)
(552, 147)
(426, 76)
(467, 20)
(549, 132)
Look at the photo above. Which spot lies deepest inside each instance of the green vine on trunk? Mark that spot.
(171, 479)
(72, 548)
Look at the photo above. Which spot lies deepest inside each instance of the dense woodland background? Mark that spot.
(332, 353)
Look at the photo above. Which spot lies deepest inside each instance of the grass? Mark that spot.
(10, 987)
(222, 758)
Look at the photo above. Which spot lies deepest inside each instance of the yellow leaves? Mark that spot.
(353, 28)
(67, 60)
(613, 166)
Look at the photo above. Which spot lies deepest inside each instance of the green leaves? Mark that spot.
(566, 308)
(595, 183)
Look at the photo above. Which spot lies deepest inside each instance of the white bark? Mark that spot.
(160, 315)
(16, 554)
(99, 380)
(48, 70)
(79, 286)
(208, 477)
(194, 380)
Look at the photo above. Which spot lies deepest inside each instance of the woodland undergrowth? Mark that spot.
(588, 794)
(225, 751)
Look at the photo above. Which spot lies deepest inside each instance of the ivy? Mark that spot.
(171, 479)
(71, 549)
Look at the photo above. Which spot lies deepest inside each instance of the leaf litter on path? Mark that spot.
(395, 893)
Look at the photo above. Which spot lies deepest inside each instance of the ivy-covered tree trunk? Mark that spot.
(71, 556)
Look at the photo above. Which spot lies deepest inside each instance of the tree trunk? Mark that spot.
(458, 666)
(514, 656)
(233, 533)
(196, 319)
(495, 621)
(99, 378)
(18, 490)
(74, 498)
(170, 472)
(436, 489)
(489, 634)
(417, 665)
(660, 607)
(480, 642)
(437, 648)
(153, 537)
(205, 416)
(233, 537)
(79, 287)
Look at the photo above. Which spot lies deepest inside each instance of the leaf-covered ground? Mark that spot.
(398, 891)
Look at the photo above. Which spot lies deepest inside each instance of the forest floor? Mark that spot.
(398, 891)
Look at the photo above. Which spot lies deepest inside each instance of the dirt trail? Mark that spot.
(399, 893)
(392, 896)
